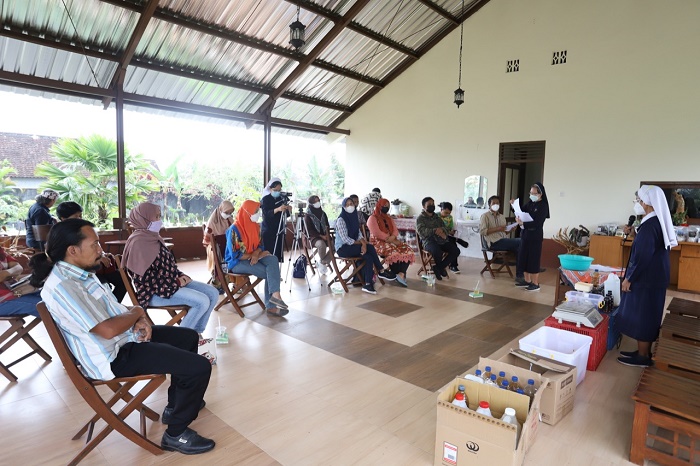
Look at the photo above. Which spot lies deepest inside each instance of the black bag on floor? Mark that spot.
(299, 267)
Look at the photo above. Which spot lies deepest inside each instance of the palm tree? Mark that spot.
(86, 172)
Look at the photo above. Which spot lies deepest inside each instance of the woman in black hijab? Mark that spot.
(531, 237)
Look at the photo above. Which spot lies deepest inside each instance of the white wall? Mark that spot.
(624, 108)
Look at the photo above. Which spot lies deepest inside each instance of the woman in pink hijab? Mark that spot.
(157, 279)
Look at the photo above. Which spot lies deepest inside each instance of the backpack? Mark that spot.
(299, 267)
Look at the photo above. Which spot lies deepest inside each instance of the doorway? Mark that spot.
(520, 165)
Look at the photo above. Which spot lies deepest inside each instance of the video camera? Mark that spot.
(286, 196)
(301, 205)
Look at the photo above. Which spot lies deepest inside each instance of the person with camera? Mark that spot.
(275, 208)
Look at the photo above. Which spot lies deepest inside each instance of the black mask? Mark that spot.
(430, 209)
(385, 210)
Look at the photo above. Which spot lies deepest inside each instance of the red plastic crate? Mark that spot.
(599, 334)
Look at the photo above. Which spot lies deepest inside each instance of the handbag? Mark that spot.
(207, 348)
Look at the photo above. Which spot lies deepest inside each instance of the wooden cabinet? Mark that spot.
(606, 250)
(689, 267)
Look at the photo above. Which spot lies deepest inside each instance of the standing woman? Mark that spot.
(273, 206)
(218, 223)
(157, 279)
(384, 236)
(39, 215)
(532, 236)
(647, 276)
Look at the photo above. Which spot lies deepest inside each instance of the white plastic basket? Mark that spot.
(560, 345)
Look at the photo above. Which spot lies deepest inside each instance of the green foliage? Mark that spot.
(10, 206)
(86, 172)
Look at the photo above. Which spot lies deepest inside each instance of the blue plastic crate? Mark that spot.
(614, 334)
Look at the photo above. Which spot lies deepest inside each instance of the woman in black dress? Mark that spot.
(532, 236)
(273, 206)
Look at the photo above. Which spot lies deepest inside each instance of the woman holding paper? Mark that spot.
(532, 234)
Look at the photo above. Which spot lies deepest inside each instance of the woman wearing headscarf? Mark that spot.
(157, 279)
(39, 214)
(349, 242)
(218, 223)
(384, 237)
(246, 254)
(531, 237)
(647, 276)
(317, 226)
(273, 207)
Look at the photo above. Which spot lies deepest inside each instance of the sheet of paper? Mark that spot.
(511, 226)
(524, 216)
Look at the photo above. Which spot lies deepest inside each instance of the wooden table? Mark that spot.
(684, 307)
(681, 328)
(675, 357)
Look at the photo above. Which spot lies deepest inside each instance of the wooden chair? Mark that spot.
(41, 234)
(501, 256)
(120, 386)
(341, 265)
(427, 259)
(19, 331)
(177, 311)
(236, 285)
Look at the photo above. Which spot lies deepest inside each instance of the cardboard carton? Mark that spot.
(558, 397)
(465, 437)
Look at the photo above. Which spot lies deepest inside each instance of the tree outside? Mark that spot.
(86, 173)
(10, 207)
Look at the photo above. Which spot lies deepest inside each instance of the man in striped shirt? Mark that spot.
(111, 340)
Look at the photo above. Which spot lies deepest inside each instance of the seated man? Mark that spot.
(110, 340)
(492, 226)
(431, 230)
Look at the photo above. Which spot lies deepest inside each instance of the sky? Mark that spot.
(157, 137)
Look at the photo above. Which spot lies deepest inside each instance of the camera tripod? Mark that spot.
(281, 231)
(299, 230)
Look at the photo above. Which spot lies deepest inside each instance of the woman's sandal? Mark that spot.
(278, 303)
(277, 312)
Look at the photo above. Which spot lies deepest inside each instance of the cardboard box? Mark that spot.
(465, 437)
(558, 396)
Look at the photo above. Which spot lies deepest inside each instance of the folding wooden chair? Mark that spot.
(236, 285)
(41, 234)
(427, 260)
(177, 311)
(18, 331)
(352, 264)
(500, 256)
(103, 408)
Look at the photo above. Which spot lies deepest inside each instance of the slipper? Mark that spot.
(277, 312)
(278, 303)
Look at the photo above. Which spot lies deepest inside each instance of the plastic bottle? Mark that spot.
(479, 374)
(612, 283)
(510, 418)
(514, 385)
(501, 378)
(520, 391)
(595, 279)
(460, 398)
(530, 389)
(487, 373)
(504, 384)
(491, 381)
(484, 409)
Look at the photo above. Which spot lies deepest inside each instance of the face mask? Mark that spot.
(255, 217)
(275, 193)
(495, 207)
(155, 226)
(385, 210)
(430, 209)
(534, 197)
(316, 205)
(225, 215)
(639, 209)
(350, 209)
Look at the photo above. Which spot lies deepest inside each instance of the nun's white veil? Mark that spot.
(655, 197)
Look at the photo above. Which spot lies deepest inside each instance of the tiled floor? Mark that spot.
(348, 379)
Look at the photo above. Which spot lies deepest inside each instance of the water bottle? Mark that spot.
(487, 373)
(491, 381)
(504, 384)
(514, 385)
(484, 409)
(501, 378)
(510, 418)
(460, 398)
(595, 279)
(479, 374)
(520, 391)
(530, 390)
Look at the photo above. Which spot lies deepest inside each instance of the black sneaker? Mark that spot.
(189, 443)
(369, 288)
(521, 282)
(629, 354)
(636, 361)
(443, 272)
(438, 274)
(532, 287)
(454, 269)
(168, 413)
(387, 275)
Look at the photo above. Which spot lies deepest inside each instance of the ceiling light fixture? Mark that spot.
(296, 32)
(459, 92)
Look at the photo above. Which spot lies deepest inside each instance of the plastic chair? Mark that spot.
(120, 386)
(19, 331)
(242, 285)
(500, 256)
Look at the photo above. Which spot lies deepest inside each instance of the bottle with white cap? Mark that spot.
(510, 418)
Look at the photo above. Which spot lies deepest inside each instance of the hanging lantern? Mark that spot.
(459, 97)
(297, 31)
